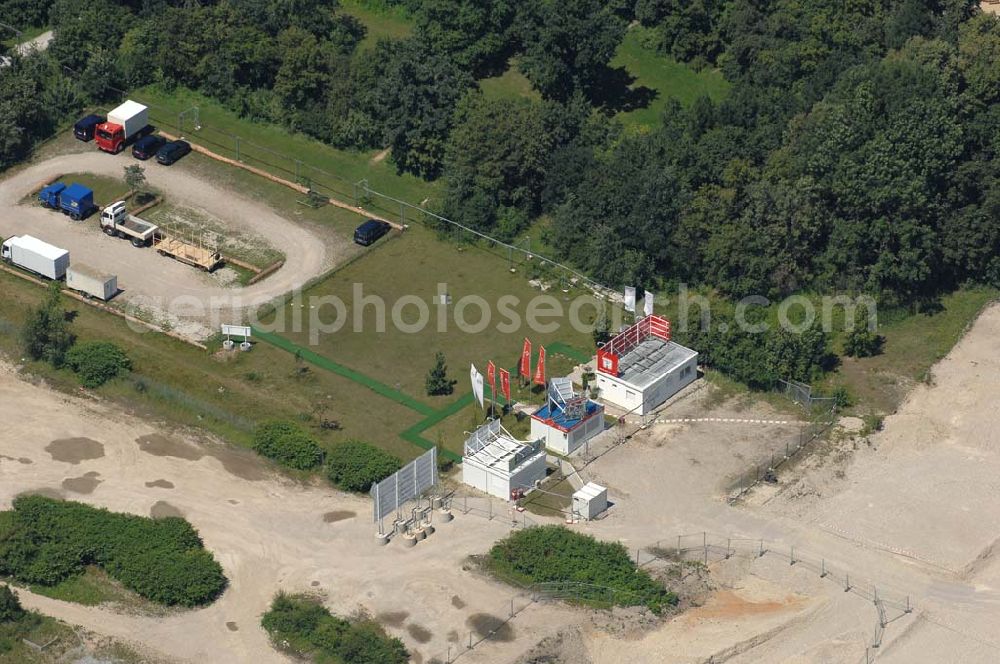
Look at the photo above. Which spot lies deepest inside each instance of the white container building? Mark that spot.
(567, 420)
(641, 367)
(590, 501)
(498, 464)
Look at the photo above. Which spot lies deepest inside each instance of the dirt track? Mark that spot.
(145, 276)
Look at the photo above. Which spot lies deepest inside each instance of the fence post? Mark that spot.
(511, 607)
(822, 572)
(761, 555)
(791, 556)
(847, 582)
(678, 547)
(238, 149)
(908, 609)
(729, 543)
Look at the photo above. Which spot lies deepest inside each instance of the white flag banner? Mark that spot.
(630, 299)
(477, 384)
(648, 306)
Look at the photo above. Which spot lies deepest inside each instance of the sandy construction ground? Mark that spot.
(148, 279)
(910, 515)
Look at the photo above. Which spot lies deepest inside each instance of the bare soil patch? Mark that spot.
(75, 450)
(162, 509)
(84, 484)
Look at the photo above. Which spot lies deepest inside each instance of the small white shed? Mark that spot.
(497, 463)
(590, 500)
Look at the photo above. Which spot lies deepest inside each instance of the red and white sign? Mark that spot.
(607, 362)
(539, 378)
(525, 369)
(505, 384)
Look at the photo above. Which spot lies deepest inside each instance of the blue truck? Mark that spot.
(75, 200)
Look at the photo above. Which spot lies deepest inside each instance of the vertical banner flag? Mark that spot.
(649, 304)
(505, 384)
(491, 378)
(525, 369)
(540, 369)
(630, 298)
(477, 384)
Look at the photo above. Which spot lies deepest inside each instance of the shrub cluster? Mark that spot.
(553, 554)
(287, 444)
(97, 362)
(46, 541)
(311, 630)
(355, 466)
(15, 622)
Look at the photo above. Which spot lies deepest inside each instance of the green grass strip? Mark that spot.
(339, 369)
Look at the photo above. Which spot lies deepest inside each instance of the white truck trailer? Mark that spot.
(125, 124)
(35, 256)
(116, 221)
(92, 282)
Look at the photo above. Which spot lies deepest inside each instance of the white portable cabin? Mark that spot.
(567, 420)
(590, 501)
(641, 367)
(498, 464)
(91, 281)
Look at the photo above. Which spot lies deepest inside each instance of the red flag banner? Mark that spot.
(505, 384)
(539, 378)
(525, 370)
(491, 378)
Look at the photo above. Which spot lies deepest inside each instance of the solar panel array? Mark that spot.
(406, 484)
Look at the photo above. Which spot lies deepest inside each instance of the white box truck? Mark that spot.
(124, 125)
(36, 256)
(92, 282)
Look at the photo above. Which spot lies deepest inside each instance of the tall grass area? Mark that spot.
(381, 20)
(663, 74)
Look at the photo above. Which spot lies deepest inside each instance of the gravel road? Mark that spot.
(157, 282)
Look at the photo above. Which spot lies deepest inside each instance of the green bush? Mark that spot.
(355, 466)
(163, 560)
(598, 571)
(10, 606)
(313, 631)
(46, 334)
(97, 362)
(287, 444)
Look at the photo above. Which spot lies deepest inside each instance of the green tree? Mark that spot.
(476, 34)
(46, 334)
(287, 444)
(568, 44)
(437, 382)
(135, 178)
(11, 610)
(355, 466)
(97, 362)
(863, 339)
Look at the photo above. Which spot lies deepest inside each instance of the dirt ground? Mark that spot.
(908, 516)
(157, 283)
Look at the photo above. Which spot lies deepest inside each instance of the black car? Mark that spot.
(172, 151)
(370, 231)
(84, 128)
(147, 146)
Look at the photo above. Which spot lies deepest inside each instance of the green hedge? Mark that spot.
(46, 541)
(355, 466)
(97, 362)
(313, 631)
(287, 444)
(599, 571)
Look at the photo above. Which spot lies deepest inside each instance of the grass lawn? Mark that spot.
(382, 22)
(224, 394)
(512, 83)
(666, 76)
(10, 39)
(276, 150)
(912, 345)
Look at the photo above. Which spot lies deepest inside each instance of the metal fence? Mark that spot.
(709, 549)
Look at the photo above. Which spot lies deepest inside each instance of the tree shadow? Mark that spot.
(613, 90)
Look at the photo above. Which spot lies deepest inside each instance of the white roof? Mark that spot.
(127, 109)
(92, 272)
(41, 248)
(589, 491)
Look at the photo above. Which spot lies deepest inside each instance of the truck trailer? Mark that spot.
(116, 221)
(35, 256)
(75, 200)
(92, 282)
(125, 125)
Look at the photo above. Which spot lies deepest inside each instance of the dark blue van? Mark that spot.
(84, 128)
(370, 231)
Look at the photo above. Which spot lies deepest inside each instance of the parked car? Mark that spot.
(172, 151)
(370, 231)
(84, 128)
(148, 146)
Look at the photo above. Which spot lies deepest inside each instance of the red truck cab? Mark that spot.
(110, 137)
(126, 124)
